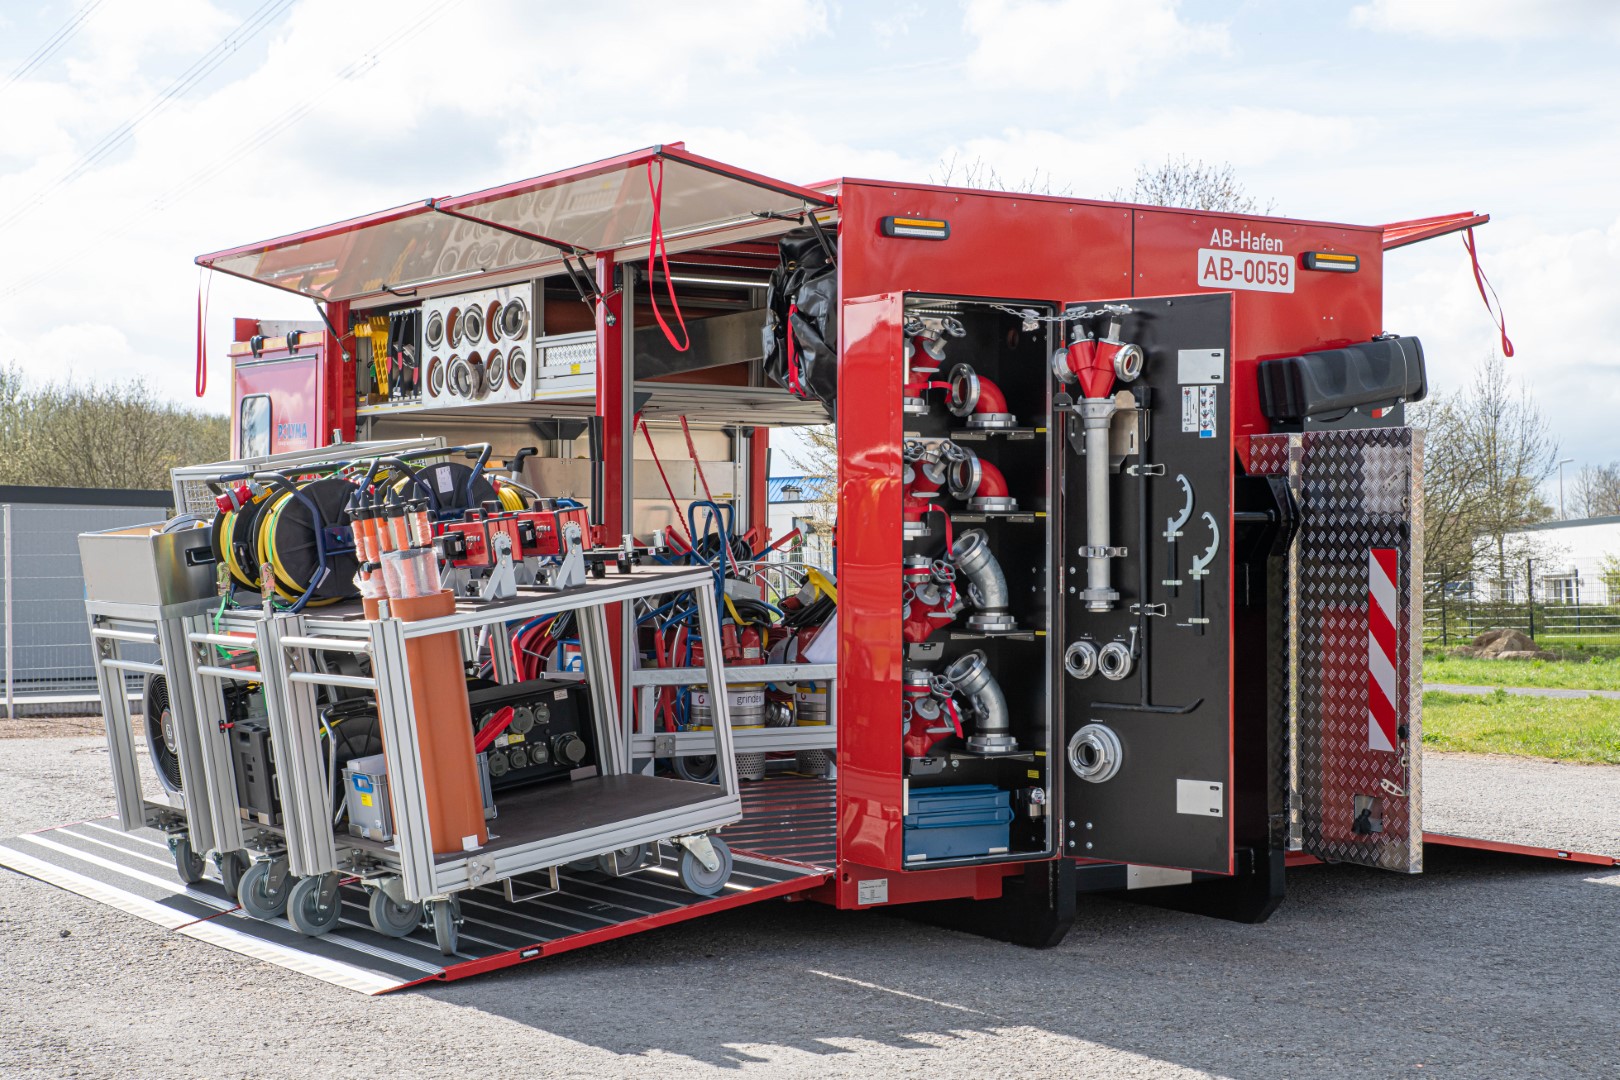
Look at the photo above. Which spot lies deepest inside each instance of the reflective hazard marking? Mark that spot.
(1381, 648)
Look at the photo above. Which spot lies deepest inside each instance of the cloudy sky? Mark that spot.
(135, 135)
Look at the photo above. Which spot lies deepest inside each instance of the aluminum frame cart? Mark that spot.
(619, 817)
(142, 587)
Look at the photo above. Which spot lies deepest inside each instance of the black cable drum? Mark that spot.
(293, 540)
(448, 481)
(244, 541)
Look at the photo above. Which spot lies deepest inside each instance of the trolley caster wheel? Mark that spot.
(314, 905)
(262, 894)
(699, 878)
(391, 918)
(447, 924)
(187, 863)
(699, 770)
(581, 864)
(232, 865)
(623, 861)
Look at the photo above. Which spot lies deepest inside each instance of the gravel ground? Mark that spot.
(1483, 966)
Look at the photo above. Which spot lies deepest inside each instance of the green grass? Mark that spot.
(1585, 730)
(1581, 646)
(1597, 673)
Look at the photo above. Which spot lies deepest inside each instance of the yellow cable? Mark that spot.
(735, 615)
(821, 583)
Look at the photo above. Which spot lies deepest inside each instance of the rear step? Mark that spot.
(134, 873)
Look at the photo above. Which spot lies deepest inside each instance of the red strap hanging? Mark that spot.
(670, 491)
(204, 287)
(1493, 303)
(794, 387)
(656, 249)
(697, 466)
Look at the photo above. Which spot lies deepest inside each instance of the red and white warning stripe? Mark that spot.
(1382, 607)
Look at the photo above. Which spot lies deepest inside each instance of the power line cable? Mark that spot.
(360, 66)
(53, 44)
(204, 66)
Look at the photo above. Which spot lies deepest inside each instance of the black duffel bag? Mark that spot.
(801, 319)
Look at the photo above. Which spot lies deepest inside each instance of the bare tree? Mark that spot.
(978, 173)
(1597, 491)
(118, 435)
(820, 459)
(1488, 451)
(1193, 185)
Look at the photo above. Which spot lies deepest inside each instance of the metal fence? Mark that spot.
(1553, 598)
(44, 636)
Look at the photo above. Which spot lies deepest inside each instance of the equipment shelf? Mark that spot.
(537, 829)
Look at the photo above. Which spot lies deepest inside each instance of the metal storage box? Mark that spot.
(141, 564)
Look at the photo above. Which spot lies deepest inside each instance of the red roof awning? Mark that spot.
(601, 207)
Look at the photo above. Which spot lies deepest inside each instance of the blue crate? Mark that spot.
(957, 822)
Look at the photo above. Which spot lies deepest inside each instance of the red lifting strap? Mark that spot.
(1494, 310)
(656, 248)
(202, 333)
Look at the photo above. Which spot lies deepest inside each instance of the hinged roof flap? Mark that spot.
(1400, 233)
(594, 208)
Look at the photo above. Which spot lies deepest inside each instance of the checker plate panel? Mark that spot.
(1356, 490)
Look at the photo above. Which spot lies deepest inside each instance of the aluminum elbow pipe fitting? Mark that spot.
(992, 722)
(987, 585)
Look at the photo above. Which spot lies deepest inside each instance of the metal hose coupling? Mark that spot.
(987, 585)
(992, 723)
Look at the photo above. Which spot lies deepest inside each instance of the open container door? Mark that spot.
(500, 234)
(1148, 776)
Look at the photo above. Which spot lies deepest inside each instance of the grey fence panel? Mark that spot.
(44, 636)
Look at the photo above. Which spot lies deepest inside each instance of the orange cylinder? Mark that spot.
(455, 805)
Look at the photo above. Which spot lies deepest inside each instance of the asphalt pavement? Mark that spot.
(1482, 966)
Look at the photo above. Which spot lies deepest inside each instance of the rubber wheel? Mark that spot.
(391, 918)
(232, 865)
(700, 879)
(447, 925)
(623, 861)
(255, 895)
(187, 863)
(304, 909)
(700, 770)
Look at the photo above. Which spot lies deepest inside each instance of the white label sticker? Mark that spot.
(1189, 408)
(1219, 269)
(447, 482)
(875, 891)
(1203, 798)
(1200, 366)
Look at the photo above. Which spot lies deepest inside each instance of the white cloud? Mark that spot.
(1557, 294)
(1071, 45)
(1504, 20)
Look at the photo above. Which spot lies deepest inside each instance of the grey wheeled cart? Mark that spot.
(142, 586)
(610, 815)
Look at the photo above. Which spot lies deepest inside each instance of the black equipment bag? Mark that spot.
(801, 318)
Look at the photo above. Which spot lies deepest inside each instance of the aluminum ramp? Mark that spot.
(134, 873)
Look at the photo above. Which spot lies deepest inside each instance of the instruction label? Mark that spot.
(446, 480)
(1198, 410)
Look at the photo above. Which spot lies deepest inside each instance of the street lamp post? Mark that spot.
(1561, 465)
